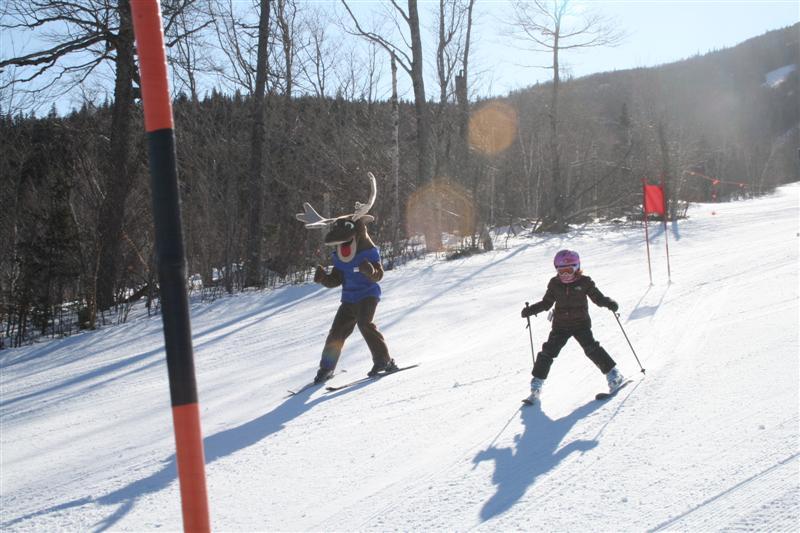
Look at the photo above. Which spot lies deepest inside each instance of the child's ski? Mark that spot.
(368, 378)
(607, 395)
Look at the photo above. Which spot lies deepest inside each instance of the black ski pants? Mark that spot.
(347, 318)
(556, 341)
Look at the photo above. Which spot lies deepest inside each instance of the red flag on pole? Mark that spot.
(654, 199)
(654, 202)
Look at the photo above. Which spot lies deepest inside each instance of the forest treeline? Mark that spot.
(711, 128)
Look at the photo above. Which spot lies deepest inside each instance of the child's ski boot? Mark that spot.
(536, 391)
(615, 379)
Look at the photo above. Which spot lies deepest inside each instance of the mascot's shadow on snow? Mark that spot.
(538, 449)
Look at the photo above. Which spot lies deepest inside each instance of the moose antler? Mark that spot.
(311, 218)
(363, 209)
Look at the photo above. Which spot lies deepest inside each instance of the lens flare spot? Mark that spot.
(440, 207)
(493, 128)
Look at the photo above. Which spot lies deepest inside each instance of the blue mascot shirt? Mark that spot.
(357, 286)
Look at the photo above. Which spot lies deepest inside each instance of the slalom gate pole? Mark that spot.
(171, 259)
(666, 243)
(646, 233)
(666, 236)
(616, 315)
(530, 334)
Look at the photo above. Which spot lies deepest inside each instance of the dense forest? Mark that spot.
(76, 220)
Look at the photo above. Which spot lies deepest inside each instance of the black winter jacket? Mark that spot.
(572, 306)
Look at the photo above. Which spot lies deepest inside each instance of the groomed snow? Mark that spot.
(707, 440)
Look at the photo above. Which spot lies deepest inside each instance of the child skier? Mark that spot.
(569, 290)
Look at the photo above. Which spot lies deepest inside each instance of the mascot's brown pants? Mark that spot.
(347, 317)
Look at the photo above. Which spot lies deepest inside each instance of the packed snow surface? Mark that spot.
(706, 439)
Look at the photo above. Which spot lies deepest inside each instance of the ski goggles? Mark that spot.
(567, 270)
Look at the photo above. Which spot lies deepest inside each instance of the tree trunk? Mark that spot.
(424, 164)
(433, 236)
(665, 166)
(112, 210)
(256, 177)
(395, 151)
(557, 191)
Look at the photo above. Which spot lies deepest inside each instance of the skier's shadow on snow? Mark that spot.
(216, 446)
(538, 450)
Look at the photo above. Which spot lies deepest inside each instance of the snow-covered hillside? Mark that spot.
(706, 440)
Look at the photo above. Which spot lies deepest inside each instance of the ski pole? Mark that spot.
(530, 334)
(616, 315)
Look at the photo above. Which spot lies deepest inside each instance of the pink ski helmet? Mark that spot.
(567, 263)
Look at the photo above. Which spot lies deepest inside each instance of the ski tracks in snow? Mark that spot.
(761, 502)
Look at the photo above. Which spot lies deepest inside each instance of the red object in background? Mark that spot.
(654, 202)
(654, 199)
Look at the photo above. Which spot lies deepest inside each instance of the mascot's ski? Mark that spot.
(368, 378)
(309, 385)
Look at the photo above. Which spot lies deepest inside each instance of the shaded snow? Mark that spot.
(707, 440)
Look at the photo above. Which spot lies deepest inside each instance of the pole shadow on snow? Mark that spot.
(216, 446)
(643, 311)
(675, 231)
(538, 450)
(658, 229)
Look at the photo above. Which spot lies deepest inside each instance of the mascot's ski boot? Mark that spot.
(386, 368)
(323, 375)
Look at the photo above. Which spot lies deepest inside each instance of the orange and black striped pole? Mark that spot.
(171, 263)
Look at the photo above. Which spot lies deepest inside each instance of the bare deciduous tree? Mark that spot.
(79, 37)
(413, 65)
(552, 27)
(257, 143)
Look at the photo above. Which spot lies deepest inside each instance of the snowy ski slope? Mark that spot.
(707, 440)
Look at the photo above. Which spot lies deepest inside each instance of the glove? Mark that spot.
(319, 274)
(614, 306)
(367, 269)
(528, 311)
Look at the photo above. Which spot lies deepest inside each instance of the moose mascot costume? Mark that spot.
(357, 268)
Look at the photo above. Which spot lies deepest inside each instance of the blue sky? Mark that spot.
(657, 31)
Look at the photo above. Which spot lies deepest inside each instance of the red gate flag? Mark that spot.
(654, 199)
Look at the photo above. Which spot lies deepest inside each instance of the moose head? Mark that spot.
(347, 232)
